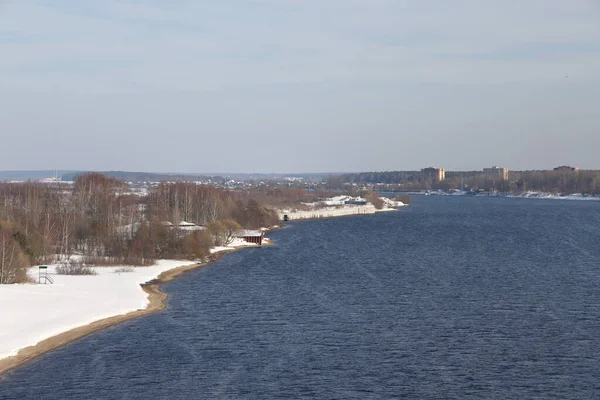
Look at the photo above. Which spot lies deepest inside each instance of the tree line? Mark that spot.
(99, 218)
(584, 181)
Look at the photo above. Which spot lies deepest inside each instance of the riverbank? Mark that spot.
(339, 206)
(42, 318)
(329, 212)
(525, 195)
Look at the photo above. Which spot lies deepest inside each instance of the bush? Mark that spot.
(196, 245)
(13, 263)
(404, 199)
(124, 269)
(31, 243)
(75, 267)
(231, 227)
(374, 199)
(141, 250)
(223, 231)
(253, 216)
(219, 232)
(97, 261)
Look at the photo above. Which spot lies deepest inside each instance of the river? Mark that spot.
(450, 298)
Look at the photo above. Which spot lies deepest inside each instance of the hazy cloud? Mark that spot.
(292, 85)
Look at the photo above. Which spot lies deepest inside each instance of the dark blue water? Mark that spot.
(453, 298)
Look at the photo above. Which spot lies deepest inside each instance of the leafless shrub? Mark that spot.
(75, 267)
(374, 199)
(124, 269)
(404, 199)
(13, 263)
(102, 261)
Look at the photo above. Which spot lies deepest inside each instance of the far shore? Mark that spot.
(331, 212)
(156, 302)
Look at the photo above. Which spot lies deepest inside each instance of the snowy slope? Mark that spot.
(31, 313)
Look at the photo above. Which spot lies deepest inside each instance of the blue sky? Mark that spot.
(299, 85)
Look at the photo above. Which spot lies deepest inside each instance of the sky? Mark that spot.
(299, 85)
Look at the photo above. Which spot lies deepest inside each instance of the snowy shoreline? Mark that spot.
(43, 317)
(36, 313)
(526, 195)
(330, 212)
(337, 207)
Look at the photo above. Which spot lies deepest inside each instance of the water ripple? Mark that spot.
(453, 298)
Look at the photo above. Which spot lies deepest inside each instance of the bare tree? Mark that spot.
(13, 264)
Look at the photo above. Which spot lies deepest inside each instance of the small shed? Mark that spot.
(250, 236)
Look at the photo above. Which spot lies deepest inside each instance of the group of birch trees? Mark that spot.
(98, 217)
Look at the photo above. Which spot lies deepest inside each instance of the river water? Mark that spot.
(450, 298)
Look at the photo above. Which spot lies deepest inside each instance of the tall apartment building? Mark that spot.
(436, 174)
(497, 172)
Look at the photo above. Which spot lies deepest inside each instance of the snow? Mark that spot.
(185, 223)
(130, 229)
(233, 244)
(192, 228)
(549, 196)
(342, 200)
(249, 233)
(526, 195)
(392, 203)
(329, 212)
(335, 201)
(32, 313)
(337, 207)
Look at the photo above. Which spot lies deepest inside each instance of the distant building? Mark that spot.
(497, 172)
(566, 168)
(436, 174)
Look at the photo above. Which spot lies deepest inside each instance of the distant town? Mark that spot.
(561, 179)
(495, 172)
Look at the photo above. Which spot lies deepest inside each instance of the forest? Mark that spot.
(99, 218)
(558, 182)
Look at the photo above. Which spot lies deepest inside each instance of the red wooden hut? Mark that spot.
(249, 236)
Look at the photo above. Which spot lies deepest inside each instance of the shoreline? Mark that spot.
(527, 195)
(156, 303)
(331, 213)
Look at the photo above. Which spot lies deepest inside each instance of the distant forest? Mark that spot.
(147, 176)
(585, 181)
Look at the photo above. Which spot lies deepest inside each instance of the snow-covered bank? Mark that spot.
(549, 196)
(237, 243)
(330, 212)
(526, 195)
(338, 206)
(32, 313)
